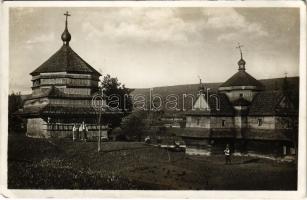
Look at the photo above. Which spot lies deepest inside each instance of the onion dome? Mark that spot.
(66, 37)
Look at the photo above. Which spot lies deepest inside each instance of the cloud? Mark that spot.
(161, 41)
(166, 25)
(232, 24)
(224, 18)
(150, 24)
(41, 39)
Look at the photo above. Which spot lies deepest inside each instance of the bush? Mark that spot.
(134, 124)
(117, 134)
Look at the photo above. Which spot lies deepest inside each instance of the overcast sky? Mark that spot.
(148, 47)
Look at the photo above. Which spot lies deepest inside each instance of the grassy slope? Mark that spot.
(47, 164)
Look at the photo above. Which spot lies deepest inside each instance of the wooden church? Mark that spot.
(62, 96)
(244, 115)
(252, 116)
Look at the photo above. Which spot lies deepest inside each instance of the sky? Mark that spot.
(150, 47)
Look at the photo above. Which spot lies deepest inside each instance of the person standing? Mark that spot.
(227, 155)
(80, 132)
(74, 134)
(83, 131)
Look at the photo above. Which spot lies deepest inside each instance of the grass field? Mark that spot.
(63, 164)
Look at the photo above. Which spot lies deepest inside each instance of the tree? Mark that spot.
(15, 103)
(117, 98)
(134, 124)
(289, 112)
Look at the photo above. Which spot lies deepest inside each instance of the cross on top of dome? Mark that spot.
(66, 37)
(241, 62)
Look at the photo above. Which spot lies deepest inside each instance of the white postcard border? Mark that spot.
(300, 193)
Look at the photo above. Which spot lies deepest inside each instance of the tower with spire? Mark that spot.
(66, 70)
(66, 37)
(62, 91)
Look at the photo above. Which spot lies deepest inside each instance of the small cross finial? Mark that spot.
(201, 86)
(66, 15)
(239, 47)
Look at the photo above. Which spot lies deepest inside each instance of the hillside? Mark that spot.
(192, 89)
(270, 84)
(180, 90)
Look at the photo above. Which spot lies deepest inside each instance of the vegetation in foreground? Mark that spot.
(62, 164)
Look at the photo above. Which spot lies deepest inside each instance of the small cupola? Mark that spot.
(241, 62)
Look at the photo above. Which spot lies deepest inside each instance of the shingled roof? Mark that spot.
(267, 103)
(242, 78)
(65, 60)
(61, 110)
(54, 92)
(241, 102)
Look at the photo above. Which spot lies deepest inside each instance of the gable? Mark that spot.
(285, 103)
(271, 103)
(201, 103)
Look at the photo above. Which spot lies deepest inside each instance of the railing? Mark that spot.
(69, 127)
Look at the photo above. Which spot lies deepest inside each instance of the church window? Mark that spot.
(223, 122)
(284, 149)
(259, 122)
(241, 94)
(36, 83)
(197, 121)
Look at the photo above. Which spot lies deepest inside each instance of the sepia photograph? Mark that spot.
(149, 98)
